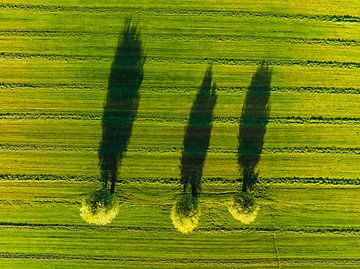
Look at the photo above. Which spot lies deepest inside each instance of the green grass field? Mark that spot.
(54, 66)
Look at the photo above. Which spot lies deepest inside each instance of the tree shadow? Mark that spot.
(185, 213)
(121, 103)
(197, 135)
(254, 118)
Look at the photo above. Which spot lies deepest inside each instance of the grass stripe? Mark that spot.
(111, 228)
(186, 60)
(160, 149)
(178, 11)
(175, 181)
(184, 36)
(175, 89)
(143, 118)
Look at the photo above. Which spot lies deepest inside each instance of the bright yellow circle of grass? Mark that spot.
(245, 215)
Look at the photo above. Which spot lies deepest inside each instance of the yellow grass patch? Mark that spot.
(101, 216)
(245, 215)
(185, 214)
(185, 223)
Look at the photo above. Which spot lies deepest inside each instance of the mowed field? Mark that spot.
(54, 67)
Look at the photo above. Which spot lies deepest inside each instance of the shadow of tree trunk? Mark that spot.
(197, 135)
(121, 102)
(254, 118)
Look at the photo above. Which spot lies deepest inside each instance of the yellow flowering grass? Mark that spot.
(100, 208)
(243, 207)
(245, 215)
(185, 214)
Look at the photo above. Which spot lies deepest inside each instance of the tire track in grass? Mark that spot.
(180, 12)
(276, 249)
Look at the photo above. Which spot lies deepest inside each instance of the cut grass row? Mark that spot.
(172, 89)
(175, 180)
(161, 149)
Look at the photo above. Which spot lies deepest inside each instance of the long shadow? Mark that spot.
(197, 135)
(121, 102)
(254, 118)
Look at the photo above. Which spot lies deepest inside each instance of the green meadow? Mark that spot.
(55, 64)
